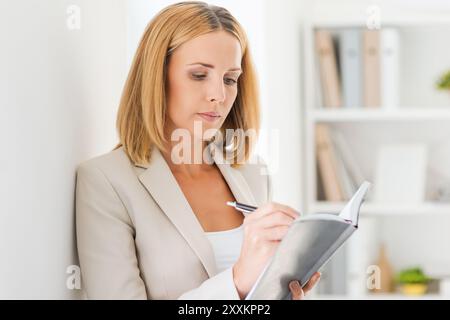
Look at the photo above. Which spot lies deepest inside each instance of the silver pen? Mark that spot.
(241, 206)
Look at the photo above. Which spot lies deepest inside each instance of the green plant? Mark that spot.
(444, 81)
(412, 275)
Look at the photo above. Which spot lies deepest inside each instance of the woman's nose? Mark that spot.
(216, 91)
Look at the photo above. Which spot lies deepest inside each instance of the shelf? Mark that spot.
(388, 21)
(427, 208)
(400, 114)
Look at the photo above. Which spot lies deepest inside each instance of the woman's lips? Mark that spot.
(209, 116)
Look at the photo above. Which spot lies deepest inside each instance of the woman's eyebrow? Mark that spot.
(212, 67)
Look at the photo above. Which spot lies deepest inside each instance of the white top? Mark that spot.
(226, 246)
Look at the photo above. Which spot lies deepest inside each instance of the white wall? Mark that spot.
(59, 91)
(283, 112)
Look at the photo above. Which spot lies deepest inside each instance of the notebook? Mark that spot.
(308, 245)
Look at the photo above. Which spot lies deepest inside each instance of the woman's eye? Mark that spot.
(198, 76)
(230, 81)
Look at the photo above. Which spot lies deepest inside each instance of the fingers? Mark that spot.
(270, 234)
(275, 233)
(296, 290)
(276, 219)
(293, 213)
(312, 282)
(271, 207)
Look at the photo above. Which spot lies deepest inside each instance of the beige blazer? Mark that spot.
(137, 236)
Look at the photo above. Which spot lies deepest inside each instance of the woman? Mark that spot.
(151, 222)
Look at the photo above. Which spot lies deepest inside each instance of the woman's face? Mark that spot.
(202, 83)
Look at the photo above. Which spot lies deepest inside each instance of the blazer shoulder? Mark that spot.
(112, 160)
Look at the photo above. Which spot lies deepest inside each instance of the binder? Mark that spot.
(329, 77)
(351, 67)
(371, 54)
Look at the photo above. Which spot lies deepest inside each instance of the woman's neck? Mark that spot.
(188, 160)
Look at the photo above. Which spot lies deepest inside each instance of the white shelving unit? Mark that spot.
(409, 114)
(423, 115)
(430, 209)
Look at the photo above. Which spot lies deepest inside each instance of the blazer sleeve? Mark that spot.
(219, 287)
(105, 239)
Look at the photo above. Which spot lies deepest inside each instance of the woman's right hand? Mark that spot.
(263, 231)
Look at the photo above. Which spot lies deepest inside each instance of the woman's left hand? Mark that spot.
(298, 293)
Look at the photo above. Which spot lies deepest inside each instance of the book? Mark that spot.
(346, 183)
(351, 67)
(309, 244)
(327, 164)
(351, 165)
(389, 55)
(348, 170)
(331, 89)
(371, 61)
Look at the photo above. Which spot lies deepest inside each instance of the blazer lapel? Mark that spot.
(234, 178)
(163, 187)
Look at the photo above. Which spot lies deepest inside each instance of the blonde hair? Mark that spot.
(142, 110)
